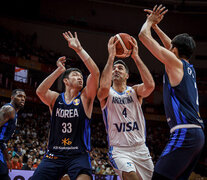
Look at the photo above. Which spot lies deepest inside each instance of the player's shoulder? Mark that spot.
(7, 106)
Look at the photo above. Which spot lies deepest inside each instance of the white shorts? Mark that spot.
(136, 158)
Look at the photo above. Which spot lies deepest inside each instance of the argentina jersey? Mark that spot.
(123, 118)
(69, 128)
(7, 130)
(181, 102)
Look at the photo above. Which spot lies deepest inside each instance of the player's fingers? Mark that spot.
(70, 34)
(148, 11)
(63, 61)
(116, 42)
(164, 12)
(76, 36)
(158, 9)
(154, 8)
(161, 9)
(134, 40)
(62, 58)
(132, 43)
(65, 36)
(111, 40)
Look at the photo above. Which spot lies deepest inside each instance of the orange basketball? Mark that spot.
(123, 47)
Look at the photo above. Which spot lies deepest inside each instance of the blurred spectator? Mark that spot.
(15, 163)
(29, 165)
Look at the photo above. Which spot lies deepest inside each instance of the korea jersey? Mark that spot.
(181, 102)
(7, 130)
(69, 128)
(123, 118)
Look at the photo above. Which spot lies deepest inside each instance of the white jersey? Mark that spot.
(123, 118)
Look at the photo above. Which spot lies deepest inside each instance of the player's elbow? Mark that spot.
(102, 93)
(38, 92)
(151, 86)
(142, 36)
(97, 73)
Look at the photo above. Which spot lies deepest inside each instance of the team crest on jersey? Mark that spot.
(66, 141)
(128, 92)
(76, 102)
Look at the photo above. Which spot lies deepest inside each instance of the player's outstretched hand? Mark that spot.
(133, 42)
(61, 63)
(112, 46)
(73, 42)
(156, 15)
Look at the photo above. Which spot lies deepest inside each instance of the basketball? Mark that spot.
(123, 47)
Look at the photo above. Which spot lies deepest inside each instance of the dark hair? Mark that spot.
(185, 45)
(14, 92)
(68, 71)
(123, 63)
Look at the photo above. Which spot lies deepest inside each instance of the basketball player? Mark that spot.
(123, 116)
(69, 139)
(180, 96)
(8, 120)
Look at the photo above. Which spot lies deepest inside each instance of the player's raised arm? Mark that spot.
(162, 54)
(6, 113)
(163, 37)
(106, 76)
(93, 78)
(146, 88)
(43, 91)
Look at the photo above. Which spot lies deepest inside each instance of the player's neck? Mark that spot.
(70, 94)
(13, 104)
(185, 60)
(119, 87)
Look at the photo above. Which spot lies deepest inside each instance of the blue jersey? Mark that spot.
(69, 128)
(7, 130)
(181, 102)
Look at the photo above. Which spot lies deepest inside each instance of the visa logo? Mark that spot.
(130, 126)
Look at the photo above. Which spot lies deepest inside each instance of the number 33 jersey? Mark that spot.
(123, 118)
(69, 128)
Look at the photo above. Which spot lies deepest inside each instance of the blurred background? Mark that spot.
(31, 41)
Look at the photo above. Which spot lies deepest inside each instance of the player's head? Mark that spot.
(18, 98)
(184, 44)
(120, 71)
(73, 77)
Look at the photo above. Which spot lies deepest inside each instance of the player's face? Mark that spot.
(119, 72)
(76, 79)
(19, 99)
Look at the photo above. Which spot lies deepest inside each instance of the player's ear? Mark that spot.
(12, 97)
(65, 80)
(127, 75)
(175, 51)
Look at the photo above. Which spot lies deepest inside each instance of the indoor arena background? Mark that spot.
(31, 38)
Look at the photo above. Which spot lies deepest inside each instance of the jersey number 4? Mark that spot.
(66, 127)
(124, 112)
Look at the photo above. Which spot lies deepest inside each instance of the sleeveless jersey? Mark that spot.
(7, 130)
(69, 128)
(181, 102)
(123, 118)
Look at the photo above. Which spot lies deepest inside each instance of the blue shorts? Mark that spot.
(3, 165)
(181, 154)
(54, 167)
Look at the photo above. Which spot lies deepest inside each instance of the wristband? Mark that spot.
(83, 55)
